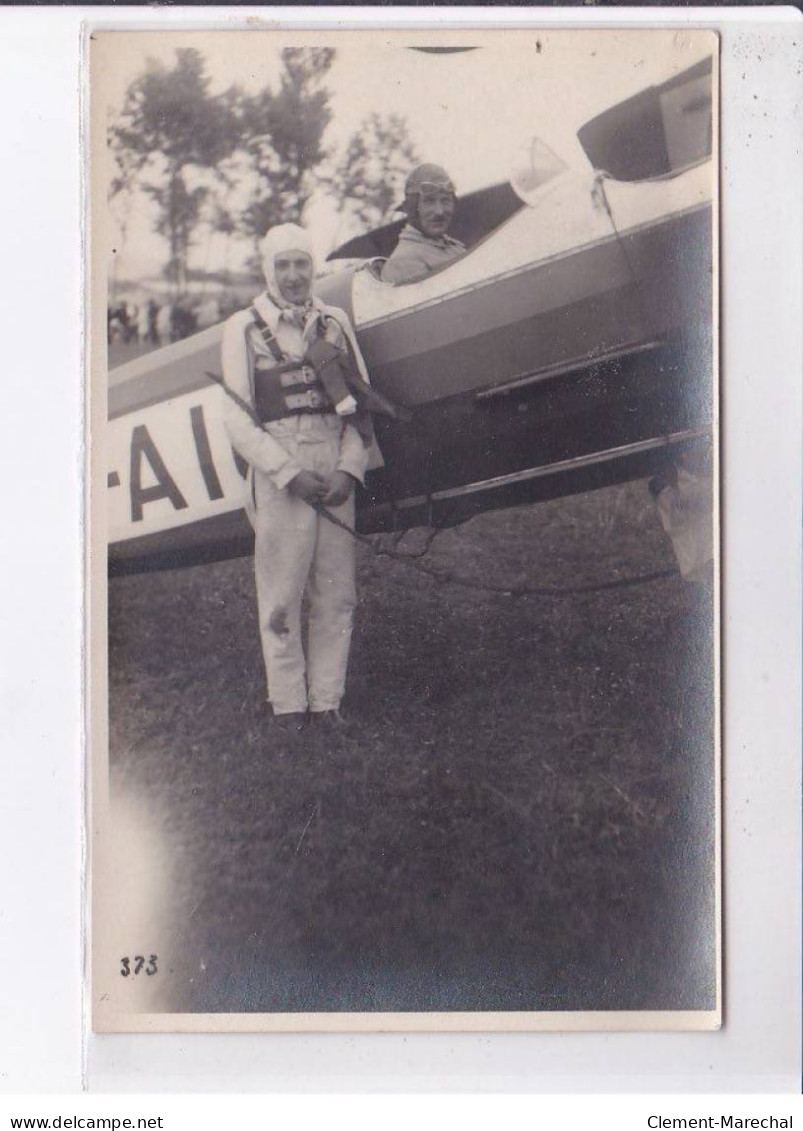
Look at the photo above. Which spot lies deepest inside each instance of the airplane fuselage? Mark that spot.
(569, 349)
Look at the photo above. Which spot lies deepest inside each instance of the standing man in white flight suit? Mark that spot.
(308, 451)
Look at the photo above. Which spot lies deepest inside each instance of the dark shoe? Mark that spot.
(333, 720)
(291, 723)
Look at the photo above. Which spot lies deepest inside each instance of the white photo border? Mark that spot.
(758, 1048)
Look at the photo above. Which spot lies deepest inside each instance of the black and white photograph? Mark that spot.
(403, 551)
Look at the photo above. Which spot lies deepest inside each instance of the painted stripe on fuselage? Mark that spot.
(180, 368)
(536, 289)
(545, 317)
(498, 353)
(165, 374)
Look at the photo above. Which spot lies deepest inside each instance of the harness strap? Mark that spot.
(263, 365)
(267, 335)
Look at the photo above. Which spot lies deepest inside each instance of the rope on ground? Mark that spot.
(445, 577)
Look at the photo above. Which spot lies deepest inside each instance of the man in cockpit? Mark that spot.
(424, 245)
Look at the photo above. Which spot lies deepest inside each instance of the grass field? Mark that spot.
(524, 821)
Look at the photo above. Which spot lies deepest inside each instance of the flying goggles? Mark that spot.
(434, 193)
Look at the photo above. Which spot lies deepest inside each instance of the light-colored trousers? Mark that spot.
(298, 551)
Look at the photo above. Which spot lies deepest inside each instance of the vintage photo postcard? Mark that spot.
(403, 530)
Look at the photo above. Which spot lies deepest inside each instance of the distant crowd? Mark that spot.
(159, 323)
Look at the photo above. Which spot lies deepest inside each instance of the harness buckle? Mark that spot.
(311, 399)
(304, 375)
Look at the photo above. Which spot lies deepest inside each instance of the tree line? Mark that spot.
(236, 163)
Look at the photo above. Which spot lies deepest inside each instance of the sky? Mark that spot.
(470, 111)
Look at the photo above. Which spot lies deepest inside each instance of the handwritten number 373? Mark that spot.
(129, 966)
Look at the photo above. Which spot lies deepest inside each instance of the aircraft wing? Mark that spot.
(656, 132)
